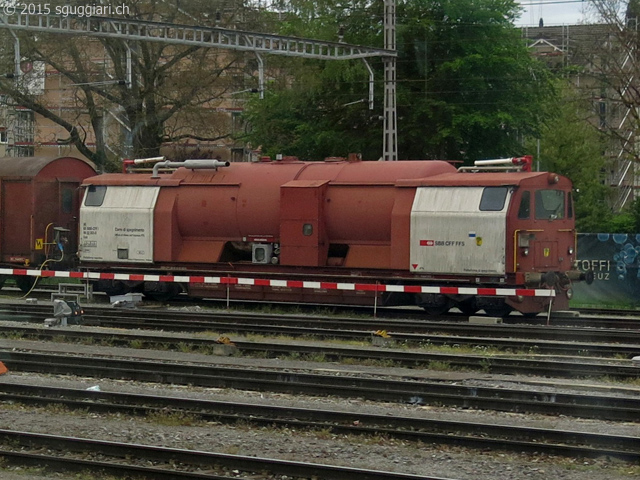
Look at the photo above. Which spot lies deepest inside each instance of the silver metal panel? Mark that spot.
(121, 229)
(450, 235)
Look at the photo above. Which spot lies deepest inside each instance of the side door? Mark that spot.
(459, 230)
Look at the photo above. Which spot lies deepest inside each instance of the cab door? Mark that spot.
(69, 201)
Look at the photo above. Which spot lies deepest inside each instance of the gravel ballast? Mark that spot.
(374, 452)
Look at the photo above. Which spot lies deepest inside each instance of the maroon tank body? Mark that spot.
(244, 199)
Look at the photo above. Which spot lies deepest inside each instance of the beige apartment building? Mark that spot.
(585, 53)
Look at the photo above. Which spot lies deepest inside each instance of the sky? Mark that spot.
(554, 12)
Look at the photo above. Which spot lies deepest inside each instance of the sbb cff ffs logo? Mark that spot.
(441, 243)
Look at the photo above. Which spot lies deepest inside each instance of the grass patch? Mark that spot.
(439, 366)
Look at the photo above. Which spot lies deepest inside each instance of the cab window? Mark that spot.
(549, 204)
(493, 199)
(524, 211)
(95, 195)
(569, 205)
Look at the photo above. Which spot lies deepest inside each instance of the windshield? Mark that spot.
(549, 204)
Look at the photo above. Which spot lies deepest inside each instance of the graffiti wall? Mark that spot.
(614, 259)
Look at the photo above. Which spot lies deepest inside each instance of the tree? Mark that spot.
(467, 86)
(570, 145)
(172, 95)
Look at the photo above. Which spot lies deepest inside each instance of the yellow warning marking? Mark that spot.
(547, 252)
(39, 243)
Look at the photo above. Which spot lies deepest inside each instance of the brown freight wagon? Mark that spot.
(39, 205)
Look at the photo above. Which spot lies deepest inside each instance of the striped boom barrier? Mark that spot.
(265, 282)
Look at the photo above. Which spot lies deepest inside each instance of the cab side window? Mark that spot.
(95, 195)
(524, 212)
(569, 205)
(493, 199)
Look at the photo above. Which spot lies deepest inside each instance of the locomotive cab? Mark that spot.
(511, 228)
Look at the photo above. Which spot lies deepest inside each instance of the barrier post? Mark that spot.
(375, 301)
(228, 291)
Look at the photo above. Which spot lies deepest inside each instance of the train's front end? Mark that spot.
(541, 244)
(498, 224)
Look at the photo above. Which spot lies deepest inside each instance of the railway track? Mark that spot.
(338, 382)
(341, 383)
(554, 367)
(467, 434)
(125, 460)
(335, 327)
(587, 318)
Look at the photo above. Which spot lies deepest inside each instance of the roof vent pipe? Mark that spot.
(192, 164)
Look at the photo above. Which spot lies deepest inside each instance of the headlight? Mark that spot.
(570, 250)
(525, 252)
(569, 293)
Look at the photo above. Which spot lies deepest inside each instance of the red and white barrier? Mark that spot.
(265, 282)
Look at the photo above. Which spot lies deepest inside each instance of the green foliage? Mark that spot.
(621, 223)
(467, 86)
(635, 212)
(627, 221)
(311, 124)
(571, 146)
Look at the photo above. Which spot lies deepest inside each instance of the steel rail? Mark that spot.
(488, 364)
(168, 457)
(188, 321)
(344, 384)
(468, 434)
(568, 347)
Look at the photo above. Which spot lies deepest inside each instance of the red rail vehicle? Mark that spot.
(39, 205)
(342, 220)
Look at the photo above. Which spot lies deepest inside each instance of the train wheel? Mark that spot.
(161, 291)
(468, 307)
(433, 304)
(436, 310)
(110, 287)
(498, 311)
(24, 282)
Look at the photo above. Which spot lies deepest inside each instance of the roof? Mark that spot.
(26, 166)
(480, 179)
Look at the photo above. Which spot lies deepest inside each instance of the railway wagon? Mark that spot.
(341, 220)
(39, 205)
